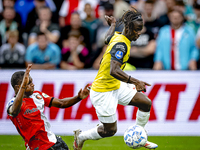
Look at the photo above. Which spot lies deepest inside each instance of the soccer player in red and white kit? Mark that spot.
(26, 109)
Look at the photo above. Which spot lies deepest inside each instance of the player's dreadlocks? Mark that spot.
(128, 19)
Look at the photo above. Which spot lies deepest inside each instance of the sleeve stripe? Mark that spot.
(51, 101)
(108, 39)
(8, 110)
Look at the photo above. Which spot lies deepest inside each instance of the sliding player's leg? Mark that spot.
(101, 131)
(105, 104)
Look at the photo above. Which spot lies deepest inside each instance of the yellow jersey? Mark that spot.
(118, 49)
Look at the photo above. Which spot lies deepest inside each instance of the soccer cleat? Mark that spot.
(77, 145)
(150, 145)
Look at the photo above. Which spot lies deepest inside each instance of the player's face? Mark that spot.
(136, 33)
(30, 87)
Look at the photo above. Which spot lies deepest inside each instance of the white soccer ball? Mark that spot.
(135, 137)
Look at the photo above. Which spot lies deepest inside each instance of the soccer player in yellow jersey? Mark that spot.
(113, 86)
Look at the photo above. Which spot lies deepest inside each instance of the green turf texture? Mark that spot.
(15, 142)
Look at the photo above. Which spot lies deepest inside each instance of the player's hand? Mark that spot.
(141, 86)
(82, 94)
(26, 76)
(110, 20)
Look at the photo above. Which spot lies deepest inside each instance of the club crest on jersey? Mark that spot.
(119, 54)
(45, 95)
(38, 96)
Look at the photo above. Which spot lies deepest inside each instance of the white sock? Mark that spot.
(142, 118)
(91, 134)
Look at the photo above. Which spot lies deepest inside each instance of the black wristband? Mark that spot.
(129, 79)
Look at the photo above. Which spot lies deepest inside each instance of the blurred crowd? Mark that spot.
(69, 34)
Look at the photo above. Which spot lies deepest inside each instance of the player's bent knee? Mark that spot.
(141, 101)
(111, 132)
(147, 105)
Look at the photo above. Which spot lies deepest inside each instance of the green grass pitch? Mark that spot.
(15, 142)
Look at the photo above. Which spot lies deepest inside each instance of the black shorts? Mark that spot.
(59, 145)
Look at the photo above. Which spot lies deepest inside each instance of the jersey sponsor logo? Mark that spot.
(38, 96)
(45, 95)
(119, 54)
(121, 47)
(29, 111)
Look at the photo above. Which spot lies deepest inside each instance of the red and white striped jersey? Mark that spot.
(31, 122)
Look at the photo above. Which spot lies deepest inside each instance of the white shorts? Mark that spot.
(105, 103)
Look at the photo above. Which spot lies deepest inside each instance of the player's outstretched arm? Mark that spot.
(118, 73)
(112, 23)
(16, 107)
(70, 101)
